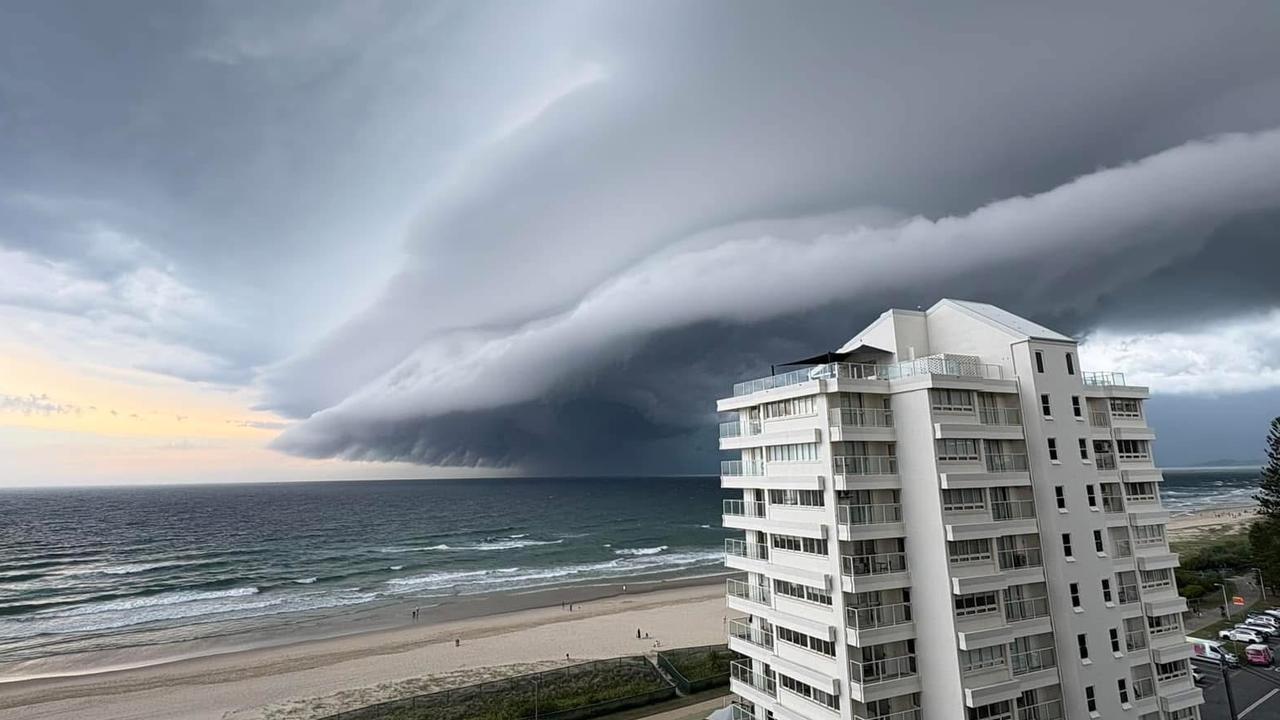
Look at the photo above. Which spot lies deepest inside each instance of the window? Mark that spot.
(1124, 690)
(963, 499)
(1093, 499)
(1053, 448)
(801, 498)
(1132, 449)
(982, 658)
(1097, 542)
(1075, 407)
(813, 546)
(1071, 364)
(977, 604)
(1082, 641)
(968, 551)
(802, 592)
(795, 452)
(957, 450)
(1045, 408)
(1084, 449)
(818, 645)
(1115, 641)
(807, 691)
(1126, 408)
(1106, 590)
(1060, 496)
(1090, 700)
(951, 400)
(791, 408)
(1066, 545)
(1075, 594)
(1039, 361)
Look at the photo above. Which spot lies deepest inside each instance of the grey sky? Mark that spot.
(551, 234)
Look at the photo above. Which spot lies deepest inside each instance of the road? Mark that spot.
(1256, 691)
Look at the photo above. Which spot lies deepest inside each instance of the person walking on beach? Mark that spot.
(637, 633)
(457, 642)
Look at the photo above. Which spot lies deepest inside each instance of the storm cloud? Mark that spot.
(549, 236)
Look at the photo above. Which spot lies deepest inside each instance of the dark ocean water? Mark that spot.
(99, 569)
(93, 569)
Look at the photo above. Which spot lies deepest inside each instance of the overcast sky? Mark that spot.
(319, 239)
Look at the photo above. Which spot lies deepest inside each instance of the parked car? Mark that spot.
(1263, 629)
(1258, 655)
(1273, 612)
(1264, 619)
(1242, 634)
(1211, 651)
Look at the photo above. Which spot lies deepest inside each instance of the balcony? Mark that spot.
(862, 417)
(1173, 676)
(745, 508)
(1135, 640)
(881, 514)
(742, 549)
(1032, 661)
(1026, 609)
(873, 672)
(1104, 379)
(869, 565)
(1143, 688)
(1127, 594)
(1013, 510)
(743, 673)
(1019, 558)
(1051, 710)
(758, 594)
(1142, 456)
(1104, 461)
(738, 712)
(1099, 418)
(881, 616)
(738, 468)
(738, 428)
(865, 464)
(1121, 548)
(912, 714)
(956, 365)
(1014, 462)
(749, 633)
(1112, 503)
(1000, 416)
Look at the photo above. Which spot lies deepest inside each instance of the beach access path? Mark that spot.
(311, 679)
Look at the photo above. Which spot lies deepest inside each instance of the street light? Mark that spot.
(1226, 605)
(1261, 585)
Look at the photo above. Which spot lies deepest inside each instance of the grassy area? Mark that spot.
(701, 663)
(1193, 545)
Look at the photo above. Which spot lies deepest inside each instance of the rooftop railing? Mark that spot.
(1104, 379)
(871, 672)
(1009, 462)
(878, 564)
(957, 365)
(744, 674)
(999, 416)
(862, 417)
(865, 464)
(881, 616)
(869, 514)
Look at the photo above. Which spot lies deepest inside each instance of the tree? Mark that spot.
(1264, 535)
(1269, 488)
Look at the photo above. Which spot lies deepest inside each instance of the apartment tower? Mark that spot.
(948, 519)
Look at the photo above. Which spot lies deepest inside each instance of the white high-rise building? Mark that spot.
(948, 519)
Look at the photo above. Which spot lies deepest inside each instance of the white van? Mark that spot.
(1211, 651)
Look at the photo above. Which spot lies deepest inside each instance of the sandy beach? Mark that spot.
(1203, 524)
(318, 677)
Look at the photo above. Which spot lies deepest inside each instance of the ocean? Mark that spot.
(101, 569)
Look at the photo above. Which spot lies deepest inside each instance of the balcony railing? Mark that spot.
(878, 564)
(1173, 675)
(738, 428)
(1149, 541)
(746, 591)
(738, 468)
(881, 616)
(750, 633)
(1135, 640)
(1032, 661)
(1104, 379)
(1121, 548)
(740, 548)
(869, 514)
(862, 417)
(1127, 594)
(871, 672)
(866, 464)
(738, 712)
(745, 508)
(1112, 503)
(959, 365)
(1011, 462)
(1026, 609)
(1135, 456)
(1104, 461)
(1143, 688)
(999, 416)
(1173, 628)
(912, 714)
(1157, 585)
(1013, 509)
(744, 674)
(1050, 710)
(1024, 558)
(1099, 418)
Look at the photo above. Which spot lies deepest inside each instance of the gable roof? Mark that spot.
(1005, 320)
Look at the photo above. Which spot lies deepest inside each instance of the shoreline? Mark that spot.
(312, 678)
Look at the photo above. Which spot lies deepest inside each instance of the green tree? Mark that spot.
(1264, 535)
